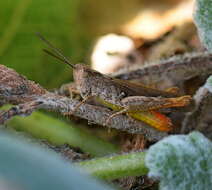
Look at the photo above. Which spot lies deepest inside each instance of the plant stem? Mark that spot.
(117, 166)
(59, 132)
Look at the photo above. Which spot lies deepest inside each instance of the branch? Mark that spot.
(16, 89)
(200, 119)
(94, 114)
(174, 70)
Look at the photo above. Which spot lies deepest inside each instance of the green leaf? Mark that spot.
(181, 162)
(59, 132)
(203, 20)
(24, 165)
(21, 49)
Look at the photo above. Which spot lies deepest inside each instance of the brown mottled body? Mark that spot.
(92, 83)
(121, 93)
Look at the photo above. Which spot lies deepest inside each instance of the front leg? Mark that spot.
(69, 90)
(78, 105)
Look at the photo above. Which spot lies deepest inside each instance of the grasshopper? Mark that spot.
(137, 100)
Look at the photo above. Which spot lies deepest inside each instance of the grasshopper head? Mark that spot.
(87, 80)
(82, 79)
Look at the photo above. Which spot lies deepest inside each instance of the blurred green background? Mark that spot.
(71, 25)
(22, 50)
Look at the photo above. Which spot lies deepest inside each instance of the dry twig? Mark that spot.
(200, 118)
(172, 71)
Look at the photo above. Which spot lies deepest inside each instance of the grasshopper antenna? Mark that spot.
(57, 54)
(57, 57)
